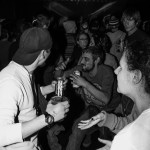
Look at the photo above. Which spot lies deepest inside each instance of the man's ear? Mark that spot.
(137, 76)
(97, 60)
(42, 55)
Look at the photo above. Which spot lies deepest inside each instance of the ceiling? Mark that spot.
(72, 8)
(84, 8)
(87, 7)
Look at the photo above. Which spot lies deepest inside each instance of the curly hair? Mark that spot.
(138, 58)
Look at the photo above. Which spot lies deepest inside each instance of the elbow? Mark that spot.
(106, 100)
(103, 101)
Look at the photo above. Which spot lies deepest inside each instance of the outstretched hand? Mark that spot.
(85, 124)
(62, 65)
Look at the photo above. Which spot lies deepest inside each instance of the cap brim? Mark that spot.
(25, 59)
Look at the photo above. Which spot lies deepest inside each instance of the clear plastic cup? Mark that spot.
(56, 99)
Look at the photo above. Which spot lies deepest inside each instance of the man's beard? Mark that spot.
(89, 69)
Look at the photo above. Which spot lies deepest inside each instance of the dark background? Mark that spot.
(15, 9)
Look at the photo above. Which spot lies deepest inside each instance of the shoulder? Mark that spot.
(105, 69)
(108, 34)
(9, 83)
(111, 60)
(140, 129)
(141, 33)
(121, 32)
(12, 76)
(10, 91)
(110, 56)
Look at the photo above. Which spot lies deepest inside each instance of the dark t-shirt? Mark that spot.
(104, 80)
(138, 35)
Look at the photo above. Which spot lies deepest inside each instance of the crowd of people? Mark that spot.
(111, 96)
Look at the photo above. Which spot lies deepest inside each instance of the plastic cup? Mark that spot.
(56, 99)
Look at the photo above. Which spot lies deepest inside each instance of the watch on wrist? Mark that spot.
(49, 119)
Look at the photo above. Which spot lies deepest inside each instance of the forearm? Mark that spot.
(30, 127)
(47, 89)
(116, 123)
(10, 134)
(97, 93)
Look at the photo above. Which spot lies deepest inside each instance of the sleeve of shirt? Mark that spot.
(116, 123)
(10, 96)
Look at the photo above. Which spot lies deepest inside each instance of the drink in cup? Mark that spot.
(56, 99)
(59, 87)
(76, 72)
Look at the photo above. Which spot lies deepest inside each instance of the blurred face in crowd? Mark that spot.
(114, 28)
(124, 77)
(87, 62)
(83, 41)
(85, 27)
(129, 24)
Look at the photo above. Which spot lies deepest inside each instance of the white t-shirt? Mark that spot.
(135, 136)
(16, 97)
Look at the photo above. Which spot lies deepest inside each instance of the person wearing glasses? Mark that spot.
(82, 42)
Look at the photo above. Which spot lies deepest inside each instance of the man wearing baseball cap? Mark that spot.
(19, 122)
(116, 36)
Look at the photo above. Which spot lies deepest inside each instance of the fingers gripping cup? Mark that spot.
(57, 99)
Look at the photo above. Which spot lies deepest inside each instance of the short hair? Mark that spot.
(138, 58)
(41, 20)
(96, 51)
(132, 13)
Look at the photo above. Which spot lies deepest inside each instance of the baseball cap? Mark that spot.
(114, 21)
(32, 42)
